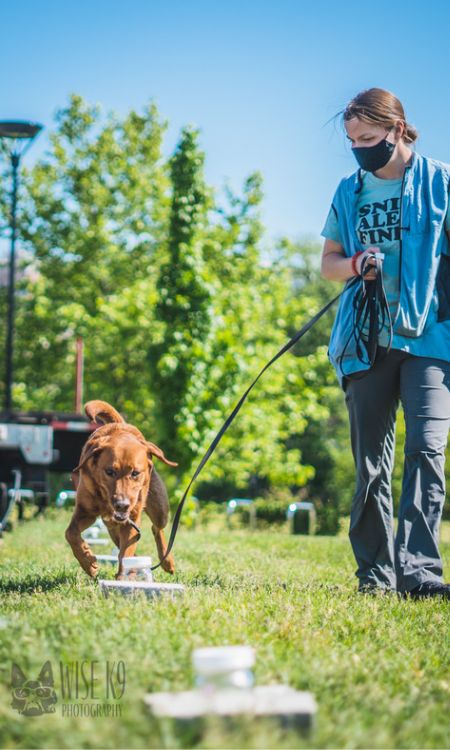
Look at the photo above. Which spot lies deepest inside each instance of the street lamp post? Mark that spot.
(15, 138)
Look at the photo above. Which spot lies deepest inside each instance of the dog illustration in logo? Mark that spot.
(33, 697)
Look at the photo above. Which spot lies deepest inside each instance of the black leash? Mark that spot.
(358, 279)
(236, 409)
(371, 314)
(136, 528)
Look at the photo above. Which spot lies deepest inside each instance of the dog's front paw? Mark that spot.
(169, 565)
(92, 569)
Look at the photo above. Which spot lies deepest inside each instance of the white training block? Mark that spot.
(273, 701)
(93, 532)
(99, 524)
(98, 542)
(130, 588)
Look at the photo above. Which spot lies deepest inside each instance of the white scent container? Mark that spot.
(137, 568)
(224, 667)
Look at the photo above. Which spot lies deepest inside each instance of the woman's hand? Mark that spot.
(372, 274)
(337, 266)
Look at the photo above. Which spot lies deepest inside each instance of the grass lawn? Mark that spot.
(378, 666)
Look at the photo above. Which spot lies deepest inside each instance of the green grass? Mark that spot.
(378, 666)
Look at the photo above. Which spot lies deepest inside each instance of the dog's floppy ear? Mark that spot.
(102, 412)
(92, 450)
(153, 450)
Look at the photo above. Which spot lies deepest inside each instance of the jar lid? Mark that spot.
(222, 658)
(137, 562)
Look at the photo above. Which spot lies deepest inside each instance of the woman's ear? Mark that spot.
(400, 129)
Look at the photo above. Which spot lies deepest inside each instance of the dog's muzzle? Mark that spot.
(121, 510)
(120, 517)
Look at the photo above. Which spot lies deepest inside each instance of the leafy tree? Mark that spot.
(184, 301)
(93, 216)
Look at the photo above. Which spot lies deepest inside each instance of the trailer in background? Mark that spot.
(33, 445)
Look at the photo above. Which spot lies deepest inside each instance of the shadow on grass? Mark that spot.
(34, 583)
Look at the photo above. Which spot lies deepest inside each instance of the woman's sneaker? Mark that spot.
(429, 589)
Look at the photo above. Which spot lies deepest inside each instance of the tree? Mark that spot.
(184, 301)
(93, 217)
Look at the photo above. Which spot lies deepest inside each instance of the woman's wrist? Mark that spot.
(354, 261)
(337, 267)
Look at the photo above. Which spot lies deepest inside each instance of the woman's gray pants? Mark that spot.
(422, 385)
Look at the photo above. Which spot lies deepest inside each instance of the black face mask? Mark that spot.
(371, 158)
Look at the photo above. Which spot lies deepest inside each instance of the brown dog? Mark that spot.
(115, 479)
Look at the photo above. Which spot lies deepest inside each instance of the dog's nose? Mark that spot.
(121, 504)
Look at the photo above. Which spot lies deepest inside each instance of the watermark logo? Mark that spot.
(33, 697)
(87, 688)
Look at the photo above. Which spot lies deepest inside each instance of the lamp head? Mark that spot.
(19, 129)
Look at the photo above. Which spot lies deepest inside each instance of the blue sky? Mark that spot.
(260, 80)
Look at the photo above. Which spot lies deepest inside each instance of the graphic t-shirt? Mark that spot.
(377, 225)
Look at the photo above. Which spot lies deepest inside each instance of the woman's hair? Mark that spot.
(379, 107)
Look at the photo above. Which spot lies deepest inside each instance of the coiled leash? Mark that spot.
(371, 314)
(373, 299)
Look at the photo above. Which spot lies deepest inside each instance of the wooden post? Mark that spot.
(79, 375)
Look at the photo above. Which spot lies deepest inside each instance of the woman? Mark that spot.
(395, 204)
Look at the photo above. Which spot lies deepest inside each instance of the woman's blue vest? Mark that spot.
(421, 324)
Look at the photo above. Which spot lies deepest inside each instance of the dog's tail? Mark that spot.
(102, 412)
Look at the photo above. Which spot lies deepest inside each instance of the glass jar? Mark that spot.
(224, 667)
(137, 568)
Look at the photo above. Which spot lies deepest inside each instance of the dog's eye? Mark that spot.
(110, 472)
(135, 474)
